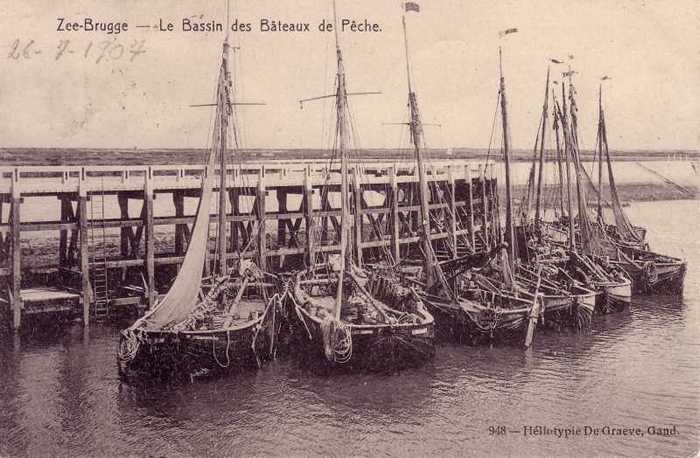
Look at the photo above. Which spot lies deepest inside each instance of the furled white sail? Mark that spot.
(183, 296)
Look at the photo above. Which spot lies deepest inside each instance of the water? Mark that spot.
(60, 395)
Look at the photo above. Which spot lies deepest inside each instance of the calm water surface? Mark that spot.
(60, 395)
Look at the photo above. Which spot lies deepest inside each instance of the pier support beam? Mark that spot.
(394, 220)
(281, 195)
(453, 210)
(484, 207)
(66, 216)
(470, 204)
(262, 229)
(179, 204)
(84, 250)
(308, 206)
(234, 198)
(16, 283)
(495, 215)
(150, 246)
(357, 200)
(125, 233)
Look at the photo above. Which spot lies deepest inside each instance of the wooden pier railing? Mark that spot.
(281, 213)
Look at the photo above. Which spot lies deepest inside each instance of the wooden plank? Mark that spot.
(45, 294)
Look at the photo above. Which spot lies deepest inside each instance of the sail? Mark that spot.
(621, 221)
(183, 296)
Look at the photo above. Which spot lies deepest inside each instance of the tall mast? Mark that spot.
(600, 153)
(225, 101)
(567, 153)
(559, 154)
(342, 133)
(582, 210)
(416, 128)
(510, 234)
(542, 140)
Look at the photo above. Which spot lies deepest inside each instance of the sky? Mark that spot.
(649, 49)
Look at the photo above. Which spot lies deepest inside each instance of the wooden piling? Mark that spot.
(234, 199)
(84, 250)
(470, 204)
(484, 207)
(125, 233)
(16, 285)
(179, 204)
(308, 206)
(149, 254)
(262, 230)
(357, 200)
(453, 209)
(394, 220)
(281, 195)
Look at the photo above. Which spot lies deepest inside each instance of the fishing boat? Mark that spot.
(342, 310)
(585, 254)
(215, 323)
(486, 302)
(651, 273)
(474, 309)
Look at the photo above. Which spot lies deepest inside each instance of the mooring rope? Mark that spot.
(228, 345)
(337, 341)
(128, 347)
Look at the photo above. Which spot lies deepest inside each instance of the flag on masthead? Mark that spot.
(410, 6)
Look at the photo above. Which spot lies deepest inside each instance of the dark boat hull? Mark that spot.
(186, 354)
(666, 278)
(476, 327)
(614, 298)
(374, 347)
(573, 311)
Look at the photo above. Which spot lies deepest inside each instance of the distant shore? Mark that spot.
(111, 156)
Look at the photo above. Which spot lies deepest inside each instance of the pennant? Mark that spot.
(556, 61)
(507, 32)
(410, 6)
(606, 77)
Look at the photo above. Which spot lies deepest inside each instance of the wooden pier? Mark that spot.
(92, 277)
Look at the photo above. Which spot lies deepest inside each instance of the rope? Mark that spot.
(228, 345)
(337, 341)
(128, 347)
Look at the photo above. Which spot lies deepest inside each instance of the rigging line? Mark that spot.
(493, 124)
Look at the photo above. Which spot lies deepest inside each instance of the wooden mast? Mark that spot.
(559, 154)
(510, 233)
(567, 152)
(582, 210)
(225, 101)
(341, 131)
(600, 153)
(416, 128)
(545, 108)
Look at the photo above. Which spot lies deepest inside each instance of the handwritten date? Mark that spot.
(94, 51)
